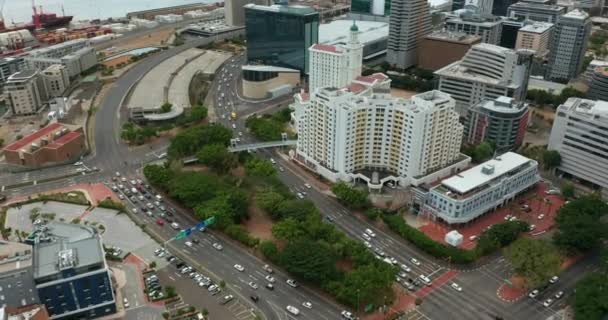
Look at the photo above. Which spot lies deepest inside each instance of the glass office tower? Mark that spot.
(280, 35)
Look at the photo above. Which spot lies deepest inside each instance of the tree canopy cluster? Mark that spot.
(579, 224)
(536, 260)
(590, 300)
(349, 196)
(191, 140)
(135, 134)
(316, 252)
(480, 152)
(269, 127)
(542, 97)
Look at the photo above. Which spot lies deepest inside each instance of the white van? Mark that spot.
(425, 280)
(158, 198)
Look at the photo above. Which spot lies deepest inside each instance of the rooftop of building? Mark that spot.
(338, 32)
(54, 68)
(576, 14)
(482, 174)
(537, 5)
(545, 85)
(266, 68)
(14, 255)
(591, 108)
(537, 27)
(293, 9)
(486, 20)
(455, 37)
(22, 75)
(326, 48)
(64, 246)
(501, 105)
(55, 134)
(29, 312)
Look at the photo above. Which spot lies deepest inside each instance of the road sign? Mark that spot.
(210, 221)
(508, 282)
(180, 235)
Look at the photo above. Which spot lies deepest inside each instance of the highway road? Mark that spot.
(478, 299)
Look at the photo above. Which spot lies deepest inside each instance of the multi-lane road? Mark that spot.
(478, 300)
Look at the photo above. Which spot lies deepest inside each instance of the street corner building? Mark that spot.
(54, 144)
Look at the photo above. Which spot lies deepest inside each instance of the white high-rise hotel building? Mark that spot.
(362, 132)
(335, 66)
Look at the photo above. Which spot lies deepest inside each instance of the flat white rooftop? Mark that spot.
(338, 31)
(478, 176)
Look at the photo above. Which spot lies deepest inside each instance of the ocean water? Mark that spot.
(21, 10)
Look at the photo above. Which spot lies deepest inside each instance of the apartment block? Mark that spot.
(56, 79)
(580, 135)
(442, 48)
(568, 46)
(535, 37)
(9, 66)
(502, 121)
(486, 72)
(409, 23)
(26, 92)
(70, 271)
(54, 143)
(361, 132)
(481, 189)
(335, 65)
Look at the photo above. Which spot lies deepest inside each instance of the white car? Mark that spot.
(367, 244)
(134, 210)
(125, 302)
(239, 267)
(541, 216)
(175, 225)
(533, 294)
(414, 261)
(456, 287)
(370, 233)
(307, 305)
(253, 285)
(117, 174)
(308, 186)
(405, 268)
(270, 278)
(240, 134)
(366, 237)
(80, 170)
(548, 302)
(293, 310)
(79, 163)
(188, 244)
(554, 279)
(121, 197)
(217, 246)
(292, 283)
(272, 161)
(301, 196)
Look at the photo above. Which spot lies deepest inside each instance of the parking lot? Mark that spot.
(535, 207)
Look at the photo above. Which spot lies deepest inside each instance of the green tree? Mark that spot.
(217, 157)
(270, 251)
(482, 152)
(166, 107)
(129, 132)
(189, 141)
(349, 196)
(288, 229)
(551, 159)
(296, 209)
(192, 189)
(314, 263)
(259, 167)
(536, 260)
(269, 200)
(157, 175)
(579, 224)
(170, 291)
(568, 190)
(591, 297)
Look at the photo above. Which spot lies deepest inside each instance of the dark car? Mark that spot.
(196, 240)
(179, 264)
(255, 298)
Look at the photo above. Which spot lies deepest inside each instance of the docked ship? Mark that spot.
(40, 20)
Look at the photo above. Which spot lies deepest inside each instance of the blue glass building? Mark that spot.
(280, 35)
(70, 272)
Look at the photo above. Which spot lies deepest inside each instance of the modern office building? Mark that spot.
(593, 65)
(442, 48)
(371, 7)
(56, 79)
(280, 35)
(262, 82)
(335, 66)
(502, 121)
(477, 6)
(500, 7)
(16, 275)
(55, 143)
(9, 66)
(361, 132)
(26, 92)
(60, 50)
(510, 28)
(70, 271)
(488, 27)
(535, 37)
(486, 72)
(533, 11)
(481, 189)
(373, 35)
(580, 135)
(598, 85)
(410, 22)
(568, 45)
